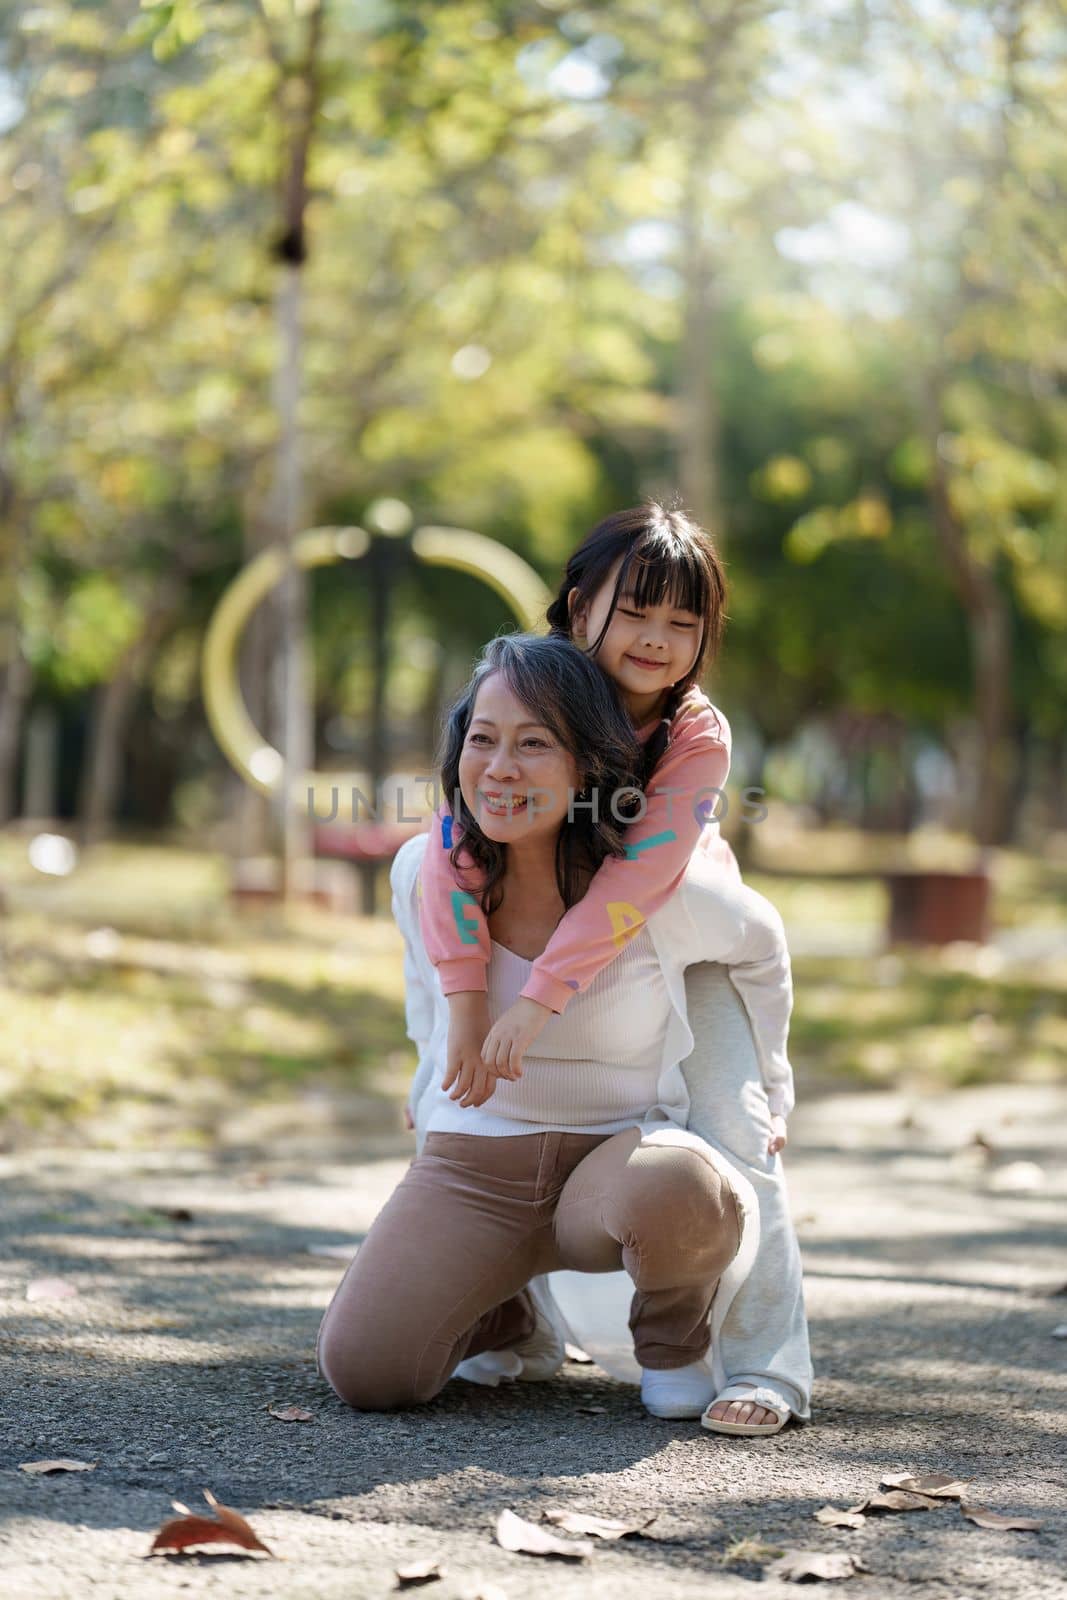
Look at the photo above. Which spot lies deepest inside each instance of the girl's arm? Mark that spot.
(454, 928)
(682, 797)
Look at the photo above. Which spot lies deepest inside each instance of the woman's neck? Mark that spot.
(530, 878)
(531, 905)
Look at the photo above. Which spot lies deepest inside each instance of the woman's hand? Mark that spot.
(779, 1137)
(512, 1035)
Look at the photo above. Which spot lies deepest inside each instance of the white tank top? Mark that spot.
(594, 1068)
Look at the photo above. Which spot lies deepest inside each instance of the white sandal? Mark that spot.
(767, 1398)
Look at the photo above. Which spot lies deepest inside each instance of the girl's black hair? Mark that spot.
(665, 554)
(565, 690)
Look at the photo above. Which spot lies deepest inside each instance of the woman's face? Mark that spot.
(514, 774)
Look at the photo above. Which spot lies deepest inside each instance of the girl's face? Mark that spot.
(514, 774)
(646, 652)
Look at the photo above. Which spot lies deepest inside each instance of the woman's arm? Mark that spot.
(625, 890)
(419, 1004)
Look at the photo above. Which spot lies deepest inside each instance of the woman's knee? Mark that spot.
(680, 1212)
(372, 1370)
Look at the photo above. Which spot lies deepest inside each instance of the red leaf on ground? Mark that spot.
(291, 1414)
(180, 1533)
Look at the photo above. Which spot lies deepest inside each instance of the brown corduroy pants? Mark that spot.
(441, 1273)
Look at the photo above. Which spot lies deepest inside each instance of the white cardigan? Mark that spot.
(706, 920)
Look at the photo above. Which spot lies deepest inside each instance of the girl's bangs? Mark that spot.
(657, 573)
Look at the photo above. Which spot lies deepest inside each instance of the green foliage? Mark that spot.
(494, 316)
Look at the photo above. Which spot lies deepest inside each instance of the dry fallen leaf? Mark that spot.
(997, 1519)
(50, 1289)
(416, 1572)
(940, 1485)
(189, 1529)
(598, 1527)
(896, 1500)
(291, 1414)
(832, 1517)
(60, 1464)
(800, 1566)
(526, 1538)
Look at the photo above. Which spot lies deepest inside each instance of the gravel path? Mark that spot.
(932, 1263)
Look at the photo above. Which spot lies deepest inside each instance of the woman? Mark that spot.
(608, 1177)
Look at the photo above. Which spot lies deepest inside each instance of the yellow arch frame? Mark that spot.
(258, 762)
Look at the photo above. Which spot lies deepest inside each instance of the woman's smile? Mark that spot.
(500, 804)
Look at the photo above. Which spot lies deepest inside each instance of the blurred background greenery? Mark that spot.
(517, 265)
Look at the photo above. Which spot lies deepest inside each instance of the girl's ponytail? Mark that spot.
(659, 741)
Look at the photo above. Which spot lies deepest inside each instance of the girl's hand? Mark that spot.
(512, 1035)
(779, 1137)
(466, 1074)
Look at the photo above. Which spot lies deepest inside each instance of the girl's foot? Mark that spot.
(740, 1411)
(745, 1408)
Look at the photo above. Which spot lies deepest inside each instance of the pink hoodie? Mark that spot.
(624, 891)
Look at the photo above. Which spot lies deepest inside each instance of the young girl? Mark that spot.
(644, 596)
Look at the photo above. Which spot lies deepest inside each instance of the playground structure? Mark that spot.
(367, 844)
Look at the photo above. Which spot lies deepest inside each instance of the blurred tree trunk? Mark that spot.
(299, 94)
(14, 697)
(989, 627)
(41, 763)
(258, 648)
(726, 54)
(699, 423)
(112, 703)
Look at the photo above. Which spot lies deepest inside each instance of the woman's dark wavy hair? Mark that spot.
(665, 554)
(565, 690)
